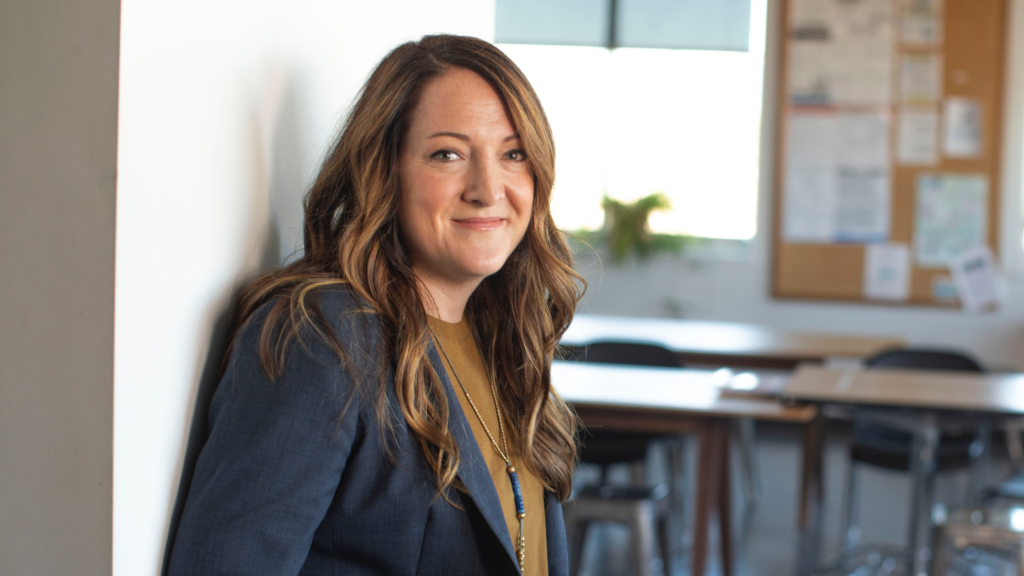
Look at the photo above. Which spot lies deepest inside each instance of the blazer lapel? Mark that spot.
(472, 468)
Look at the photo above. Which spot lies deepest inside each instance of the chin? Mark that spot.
(484, 268)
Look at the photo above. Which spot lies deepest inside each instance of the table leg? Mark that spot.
(677, 492)
(724, 499)
(811, 492)
(746, 435)
(702, 504)
(708, 480)
(981, 458)
(812, 496)
(923, 456)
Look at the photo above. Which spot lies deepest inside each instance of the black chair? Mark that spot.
(631, 353)
(636, 506)
(890, 448)
(924, 360)
(1009, 491)
(602, 447)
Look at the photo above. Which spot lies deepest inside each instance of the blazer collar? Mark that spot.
(473, 469)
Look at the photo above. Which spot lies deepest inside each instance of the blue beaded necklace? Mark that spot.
(504, 454)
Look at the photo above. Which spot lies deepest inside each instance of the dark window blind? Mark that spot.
(565, 22)
(674, 24)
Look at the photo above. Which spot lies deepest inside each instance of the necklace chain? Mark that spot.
(505, 454)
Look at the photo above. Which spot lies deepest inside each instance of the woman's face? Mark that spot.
(466, 186)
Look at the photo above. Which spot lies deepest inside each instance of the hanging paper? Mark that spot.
(962, 119)
(921, 78)
(887, 272)
(837, 177)
(951, 217)
(809, 195)
(976, 278)
(918, 137)
(841, 52)
(863, 186)
(944, 289)
(922, 22)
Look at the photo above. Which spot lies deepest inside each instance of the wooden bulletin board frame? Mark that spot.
(973, 49)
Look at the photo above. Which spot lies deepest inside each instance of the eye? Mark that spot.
(516, 155)
(445, 155)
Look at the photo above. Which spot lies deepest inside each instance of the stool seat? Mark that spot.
(640, 508)
(1011, 489)
(608, 492)
(992, 538)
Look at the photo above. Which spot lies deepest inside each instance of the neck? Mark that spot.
(443, 299)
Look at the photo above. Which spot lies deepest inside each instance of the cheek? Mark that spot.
(522, 202)
(430, 195)
(413, 221)
(424, 203)
(415, 197)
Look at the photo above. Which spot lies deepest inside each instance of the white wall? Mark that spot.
(225, 110)
(740, 290)
(58, 151)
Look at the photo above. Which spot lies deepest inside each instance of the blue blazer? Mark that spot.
(294, 478)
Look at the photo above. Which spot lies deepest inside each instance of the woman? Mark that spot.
(386, 406)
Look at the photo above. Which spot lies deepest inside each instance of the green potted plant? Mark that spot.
(626, 230)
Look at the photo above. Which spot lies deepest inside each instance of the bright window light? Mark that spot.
(630, 122)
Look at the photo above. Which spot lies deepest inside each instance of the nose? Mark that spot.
(486, 186)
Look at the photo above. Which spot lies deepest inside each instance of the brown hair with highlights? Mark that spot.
(352, 237)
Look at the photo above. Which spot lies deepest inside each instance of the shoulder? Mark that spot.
(275, 452)
(340, 337)
(347, 314)
(328, 311)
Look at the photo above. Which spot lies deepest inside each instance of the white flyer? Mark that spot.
(921, 78)
(887, 272)
(862, 177)
(840, 52)
(837, 179)
(944, 289)
(809, 192)
(976, 278)
(918, 136)
(962, 128)
(862, 203)
(922, 22)
(951, 217)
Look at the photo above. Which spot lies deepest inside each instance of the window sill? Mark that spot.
(718, 249)
(689, 248)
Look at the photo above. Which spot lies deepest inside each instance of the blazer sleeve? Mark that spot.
(271, 466)
(558, 550)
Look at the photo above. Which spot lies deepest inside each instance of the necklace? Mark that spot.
(504, 454)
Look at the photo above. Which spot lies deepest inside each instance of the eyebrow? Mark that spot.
(466, 138)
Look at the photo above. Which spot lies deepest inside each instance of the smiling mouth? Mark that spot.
(481, 224)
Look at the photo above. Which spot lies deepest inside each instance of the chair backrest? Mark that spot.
(604, 447)
(631, 353)
(925, 360)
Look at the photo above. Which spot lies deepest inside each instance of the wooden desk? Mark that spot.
(924, 398)
(725, 343)
(937, 390)
(683, 401)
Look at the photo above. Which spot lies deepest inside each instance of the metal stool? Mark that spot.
(980, 541)
(640, 509)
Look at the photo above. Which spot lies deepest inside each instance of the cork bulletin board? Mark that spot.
(888, 146)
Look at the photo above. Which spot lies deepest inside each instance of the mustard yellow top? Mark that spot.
(458, 342)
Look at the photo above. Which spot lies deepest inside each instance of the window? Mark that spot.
(682, 118)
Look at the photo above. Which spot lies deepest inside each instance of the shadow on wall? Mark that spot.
(279, 143)
(287, 145)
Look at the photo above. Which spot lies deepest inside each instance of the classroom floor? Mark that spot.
(765, 537)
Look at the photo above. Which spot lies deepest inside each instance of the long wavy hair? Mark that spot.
(352, 237)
